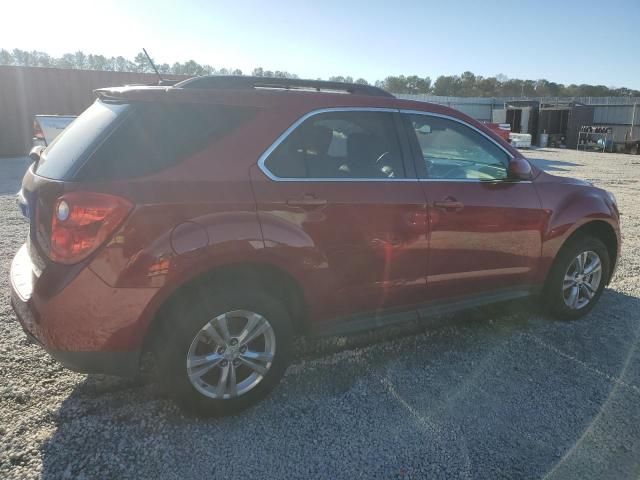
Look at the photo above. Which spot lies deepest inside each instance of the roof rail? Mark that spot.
(240, 82)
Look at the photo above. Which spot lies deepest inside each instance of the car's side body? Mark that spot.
(354, 253)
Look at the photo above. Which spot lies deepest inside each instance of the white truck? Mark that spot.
(47, 127)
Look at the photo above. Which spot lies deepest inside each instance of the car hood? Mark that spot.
(547, 177)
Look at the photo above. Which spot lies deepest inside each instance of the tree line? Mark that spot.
(465, 85)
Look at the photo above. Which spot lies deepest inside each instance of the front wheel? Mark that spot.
(577, 278)
(222, 354)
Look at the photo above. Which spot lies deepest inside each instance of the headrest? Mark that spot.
(318, 139)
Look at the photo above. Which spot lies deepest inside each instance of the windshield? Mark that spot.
(68, 151)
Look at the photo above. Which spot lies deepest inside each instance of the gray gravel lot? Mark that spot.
(502, 392)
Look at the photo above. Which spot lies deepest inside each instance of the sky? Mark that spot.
(594, 42)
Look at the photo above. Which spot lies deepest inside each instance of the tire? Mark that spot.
(186, 333)
(558, 291)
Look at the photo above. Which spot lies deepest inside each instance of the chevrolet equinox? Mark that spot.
(210, 221)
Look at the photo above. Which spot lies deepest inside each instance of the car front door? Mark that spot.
(485, 229)
(339, 200)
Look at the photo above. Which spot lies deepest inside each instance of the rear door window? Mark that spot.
(340, 144)
(154, 136)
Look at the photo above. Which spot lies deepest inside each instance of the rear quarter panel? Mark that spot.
(190, 218)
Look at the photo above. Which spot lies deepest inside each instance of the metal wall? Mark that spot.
(476, 107)
(613, 114)
(27, 91)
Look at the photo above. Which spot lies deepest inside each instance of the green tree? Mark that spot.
(97, 62)
(340, 78)
(467, 85)
(79, 60)
(417, 85)
(121, 64)
(66, 61)
(41, 59)
(142, 63)
(22, 58)
(487, 87)
(446, 85)
(5, 57)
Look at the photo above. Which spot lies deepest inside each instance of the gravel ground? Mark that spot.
(502, 392)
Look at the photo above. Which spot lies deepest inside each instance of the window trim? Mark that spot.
(265, 155)
(263, 158)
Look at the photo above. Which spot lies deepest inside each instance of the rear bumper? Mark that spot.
(88, 327)
(123, 364)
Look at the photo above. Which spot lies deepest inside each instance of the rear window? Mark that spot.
(154, 136)
(110, 141)
(61, 158)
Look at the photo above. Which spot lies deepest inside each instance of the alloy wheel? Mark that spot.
(231, 354)
(582, 280)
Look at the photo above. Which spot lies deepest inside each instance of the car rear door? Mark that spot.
(339, 202)
(485, 229)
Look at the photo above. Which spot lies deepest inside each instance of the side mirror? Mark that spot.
(35, 152)
(519, 169)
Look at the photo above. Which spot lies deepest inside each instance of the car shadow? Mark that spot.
(499, 391)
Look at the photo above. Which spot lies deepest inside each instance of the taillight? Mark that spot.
(82, 221)
(37, 131)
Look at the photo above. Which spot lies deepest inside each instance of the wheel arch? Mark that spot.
(272, 279)
(603, 231)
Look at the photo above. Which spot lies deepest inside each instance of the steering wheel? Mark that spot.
(386, 170)
(379, 159)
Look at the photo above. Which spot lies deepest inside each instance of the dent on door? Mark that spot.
(355, 246)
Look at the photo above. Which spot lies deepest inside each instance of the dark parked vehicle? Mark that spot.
(210, 221)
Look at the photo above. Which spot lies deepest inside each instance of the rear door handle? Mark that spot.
(307, 201)
(449, 204)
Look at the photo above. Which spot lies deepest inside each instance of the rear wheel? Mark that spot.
(577, 278)
(222, 354)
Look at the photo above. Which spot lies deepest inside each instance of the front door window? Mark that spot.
(453, 151)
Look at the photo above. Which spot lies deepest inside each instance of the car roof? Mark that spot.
(265, 92)
(241, 82)
(293, 97)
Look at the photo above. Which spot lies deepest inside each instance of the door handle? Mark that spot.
(449, 204)
(307, 201)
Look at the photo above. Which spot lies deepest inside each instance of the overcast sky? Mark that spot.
(596, 42)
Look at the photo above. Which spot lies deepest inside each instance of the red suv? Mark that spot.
(210, 221)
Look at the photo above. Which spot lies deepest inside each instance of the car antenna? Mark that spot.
(162, 81)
